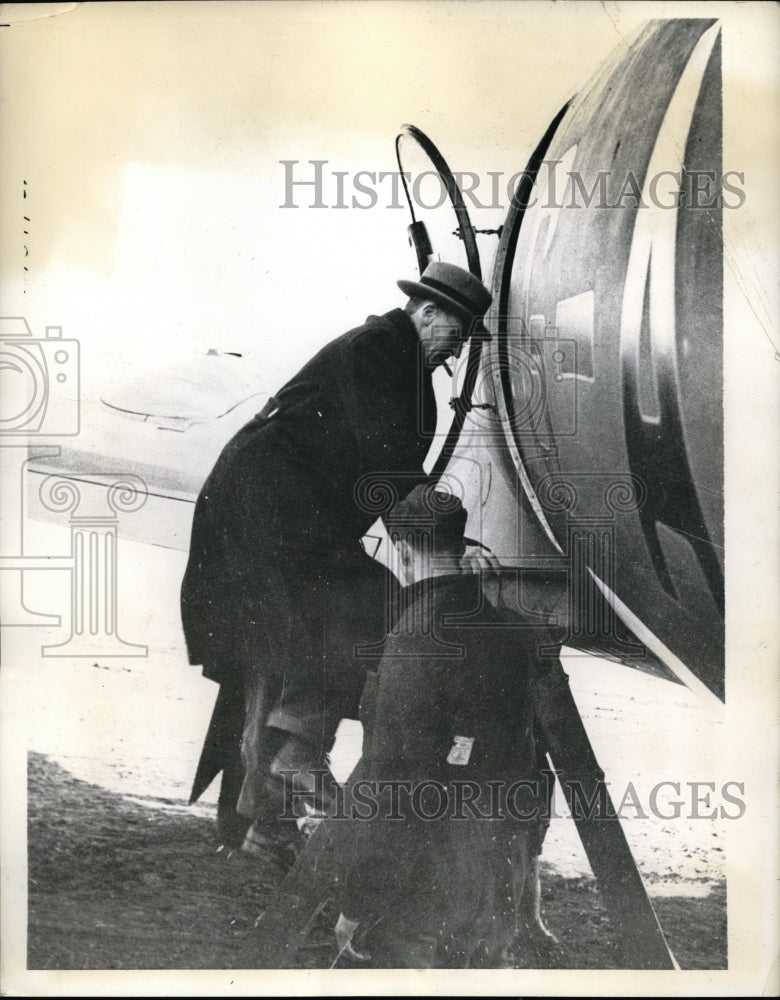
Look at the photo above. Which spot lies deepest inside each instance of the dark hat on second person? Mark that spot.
(431, 510)
(454, 289)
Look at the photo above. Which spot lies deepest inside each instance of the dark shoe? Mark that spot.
(303, 773)
(282, 840)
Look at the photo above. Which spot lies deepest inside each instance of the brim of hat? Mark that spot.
(416, 290)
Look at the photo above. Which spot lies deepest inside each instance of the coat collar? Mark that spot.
(403, 329)
(453, 593)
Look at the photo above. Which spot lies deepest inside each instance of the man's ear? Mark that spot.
(428, 313)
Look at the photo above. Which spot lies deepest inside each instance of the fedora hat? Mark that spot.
(427, 509)
(453, 288)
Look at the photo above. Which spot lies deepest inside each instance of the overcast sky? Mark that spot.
(150, 137)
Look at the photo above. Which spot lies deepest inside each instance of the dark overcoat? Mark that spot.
(276, 577)
(449, 714)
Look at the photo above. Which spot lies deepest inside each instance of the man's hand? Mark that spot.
(481, 561)
(344, 931)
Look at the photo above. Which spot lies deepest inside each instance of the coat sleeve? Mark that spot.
(390, 406)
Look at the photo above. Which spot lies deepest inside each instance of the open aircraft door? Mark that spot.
(441, 229)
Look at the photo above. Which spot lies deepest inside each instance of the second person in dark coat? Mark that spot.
(447, 808)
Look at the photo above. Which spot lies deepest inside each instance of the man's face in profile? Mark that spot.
(448, 334)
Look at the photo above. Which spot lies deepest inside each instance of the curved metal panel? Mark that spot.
(608, 360)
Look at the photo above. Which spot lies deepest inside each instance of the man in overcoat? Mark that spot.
(449, 805)
(278, 590)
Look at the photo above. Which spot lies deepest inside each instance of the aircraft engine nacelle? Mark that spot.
(596, 456)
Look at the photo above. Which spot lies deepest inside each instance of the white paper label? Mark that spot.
(460, 750)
